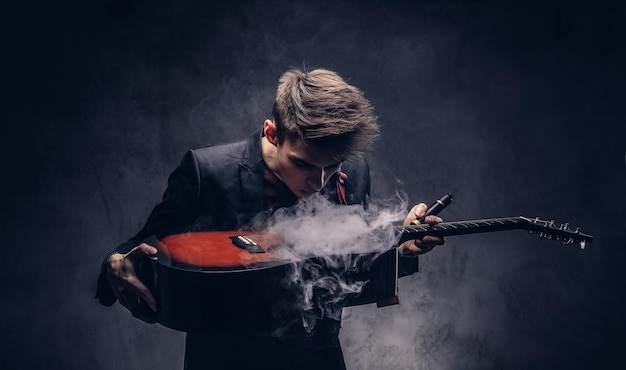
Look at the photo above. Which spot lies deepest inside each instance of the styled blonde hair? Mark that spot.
(324, 111)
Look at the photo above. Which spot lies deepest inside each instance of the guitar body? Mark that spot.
(203, 282)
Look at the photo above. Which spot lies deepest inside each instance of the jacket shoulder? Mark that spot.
(219, 157)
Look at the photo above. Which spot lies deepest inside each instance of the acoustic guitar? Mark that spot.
(234, 281)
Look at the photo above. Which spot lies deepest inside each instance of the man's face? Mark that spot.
(304, 169)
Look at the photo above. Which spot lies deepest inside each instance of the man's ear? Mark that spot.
(269, 130)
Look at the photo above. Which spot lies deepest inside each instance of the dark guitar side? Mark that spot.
(204, 283)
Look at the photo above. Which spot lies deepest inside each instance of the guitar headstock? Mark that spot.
(562, 232)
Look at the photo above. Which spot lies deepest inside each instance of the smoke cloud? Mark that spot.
(329, 248)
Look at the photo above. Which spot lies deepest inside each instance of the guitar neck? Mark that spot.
(543, 228)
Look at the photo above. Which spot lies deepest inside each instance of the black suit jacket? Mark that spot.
(221, 188)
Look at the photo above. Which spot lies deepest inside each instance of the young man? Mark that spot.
(321, 125)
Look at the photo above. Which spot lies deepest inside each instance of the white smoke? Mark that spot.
(328, 245)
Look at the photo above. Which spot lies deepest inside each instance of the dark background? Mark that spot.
(515, 107)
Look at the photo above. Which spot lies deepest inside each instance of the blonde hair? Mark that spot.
(324, 111)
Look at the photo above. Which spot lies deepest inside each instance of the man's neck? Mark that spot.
(276, 193)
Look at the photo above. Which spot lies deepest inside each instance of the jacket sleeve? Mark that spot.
(172, 215)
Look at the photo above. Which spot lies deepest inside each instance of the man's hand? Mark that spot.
(130, 291)
(427, 243)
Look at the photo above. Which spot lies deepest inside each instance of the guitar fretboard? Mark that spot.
(462, 227)
(545, 229)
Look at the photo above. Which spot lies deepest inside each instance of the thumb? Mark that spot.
(142, 250)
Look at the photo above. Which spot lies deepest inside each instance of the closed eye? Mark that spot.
(300, 163)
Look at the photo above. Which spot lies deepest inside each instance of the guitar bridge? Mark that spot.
(246, 243)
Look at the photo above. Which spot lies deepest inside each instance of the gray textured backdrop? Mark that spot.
(515, 107)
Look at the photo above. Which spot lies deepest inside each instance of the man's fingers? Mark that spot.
(432, 219)
(415, 213)
(147, 248)
(137, 307)
(413, 248)
(130, 289)
(138, 300)
(121, 297)
(429, 241)
(126, 285)
(420, 210)
(140, 310)
(420, 246)
(138, 289)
